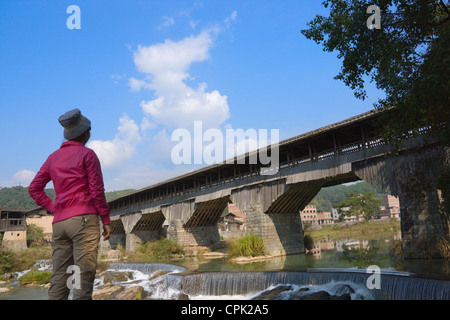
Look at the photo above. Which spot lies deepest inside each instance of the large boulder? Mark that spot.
(113, 277)
(272, 294)
(133, 293)
(106, 292)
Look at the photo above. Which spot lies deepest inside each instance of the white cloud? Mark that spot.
(231, 18)
(20, 178)
(137, 85)
(167, 22)
(173, 57)
(114, 152)
(165, 66)
(23, 177)
(117, 77)
(173, 102)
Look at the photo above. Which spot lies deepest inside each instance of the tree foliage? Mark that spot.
(18, 196)
(408, 58)
(35, 234)
(364, 204)
(328, 197)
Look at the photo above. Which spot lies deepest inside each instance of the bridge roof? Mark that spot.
(325, 138)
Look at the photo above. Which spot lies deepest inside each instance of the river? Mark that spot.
(332, 265)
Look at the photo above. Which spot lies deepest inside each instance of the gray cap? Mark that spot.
(74, 123)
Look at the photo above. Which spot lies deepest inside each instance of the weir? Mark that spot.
(393, 285)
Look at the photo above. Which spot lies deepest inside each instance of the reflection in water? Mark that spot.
(383, 252)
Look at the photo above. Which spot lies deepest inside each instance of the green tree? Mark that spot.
(35, 234)
(326, 197)
(408, 58)
(364, 204)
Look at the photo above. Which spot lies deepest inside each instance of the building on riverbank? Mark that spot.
(41, 218)
(308, 216)
(13, 225)
(390, 208)
(13, 229)
(313, 218)
(324, 218)
(232, 222)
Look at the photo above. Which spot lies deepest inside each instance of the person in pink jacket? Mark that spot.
(79, 204)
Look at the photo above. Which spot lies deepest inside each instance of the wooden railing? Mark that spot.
(10, 224)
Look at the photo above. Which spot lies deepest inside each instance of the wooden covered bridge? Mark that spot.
(342, 152)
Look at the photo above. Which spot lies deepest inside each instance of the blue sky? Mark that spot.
(141, 69)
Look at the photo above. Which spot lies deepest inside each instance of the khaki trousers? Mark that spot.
(75, 243)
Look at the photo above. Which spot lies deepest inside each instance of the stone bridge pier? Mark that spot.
(118, 236)
(273, 212)
(412, 177)
(130, 229)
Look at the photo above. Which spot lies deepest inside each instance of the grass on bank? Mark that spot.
(36, 277)
(366, 230)
(160, 249)
(246, 246)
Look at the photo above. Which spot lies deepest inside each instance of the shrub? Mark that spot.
(36, 277)
(308, 242)
(444, 247)
(6, 261)
(396, 248)
(247, 246)
(161, 249)
(35, 235)
(14, 261)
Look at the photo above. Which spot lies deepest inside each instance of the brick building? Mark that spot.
(13, 229)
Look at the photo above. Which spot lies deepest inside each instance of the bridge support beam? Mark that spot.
(147, 228)
(412, 177)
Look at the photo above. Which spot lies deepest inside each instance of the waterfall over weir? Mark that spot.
(246, 285)
(147, 268)
(393, 286)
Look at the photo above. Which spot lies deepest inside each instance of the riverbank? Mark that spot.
(368, 230)
(17, 261)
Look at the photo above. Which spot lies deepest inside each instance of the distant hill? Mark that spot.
(19, 197)
(325, 199)
(116, 194)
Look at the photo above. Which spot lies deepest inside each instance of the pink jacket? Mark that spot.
(78, 181)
